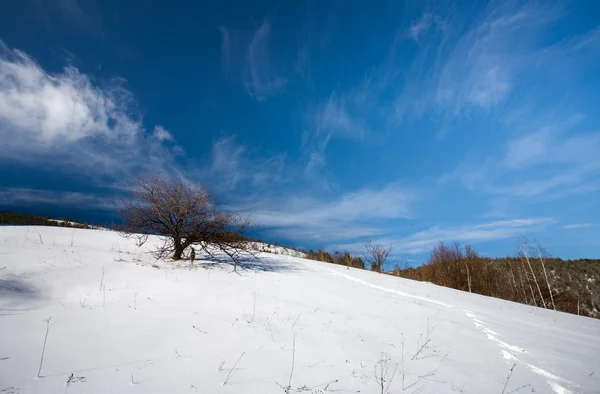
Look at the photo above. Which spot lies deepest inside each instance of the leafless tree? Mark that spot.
(185, 214)
(541, 252)
(377, 255)
(524, 255)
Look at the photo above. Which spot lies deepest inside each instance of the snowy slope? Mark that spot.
(122, 323)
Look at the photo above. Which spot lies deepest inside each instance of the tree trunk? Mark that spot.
(178, 252)
(468, 276)
(535, 281)
(539, 250)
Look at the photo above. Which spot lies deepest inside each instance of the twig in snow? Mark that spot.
(75, 379)
(289, 386)
(296, 321)
(232, 371)
(102, 278)
(314, 365)
(44, 347)
(402, 335)
(104, 296)
(387, 388)
(522, 387)
(204, 332)
(382, 377)
(180, 355)
(424, 344)
(508, 378)
(253, 309)
(268, 327)
(82, 302)
(422, 377)
(40, 237)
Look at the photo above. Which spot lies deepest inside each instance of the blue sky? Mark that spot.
(331, 122)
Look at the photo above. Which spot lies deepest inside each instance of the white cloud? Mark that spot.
(576, 226)
(480, 70)
(332, 120)
(65, 107)
(262, 81)
(420, 27)
(551, 162)
(350, 216)
(66, 120)
(248, 54)
(234, 166)
(162, 134)
(424, 241)
(471, 66)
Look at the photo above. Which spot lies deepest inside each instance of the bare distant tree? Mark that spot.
(186, 215)
(377, 255)
(524, 255)
(541, 252)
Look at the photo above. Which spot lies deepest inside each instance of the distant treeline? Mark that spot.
(531, 278)
(25, 219)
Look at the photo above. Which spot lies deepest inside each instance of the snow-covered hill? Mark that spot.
(120, 322)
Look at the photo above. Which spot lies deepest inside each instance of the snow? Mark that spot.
(122, 322)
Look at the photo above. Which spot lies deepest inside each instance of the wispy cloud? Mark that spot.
(352, 215)
(162, 134)
(249, 53)
(23, 196)
(576, 226)
(262, 81)
(421, 26)
(332, 120)
(65, 120)
(424, 241)
(226, 47)
(466, 67)
(551, 162)
(235, 167)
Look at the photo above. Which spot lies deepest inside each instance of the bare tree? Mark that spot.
(524, 255)
(185, 214)
(377, 255)
(541, 254)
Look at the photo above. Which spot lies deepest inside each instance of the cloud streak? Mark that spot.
(551, 162)
(332, 120)
(423, 241)
(262, 82)
(248, 52)
(352, 215)
(577, 226)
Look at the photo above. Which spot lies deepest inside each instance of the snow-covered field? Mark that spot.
(120, 322)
